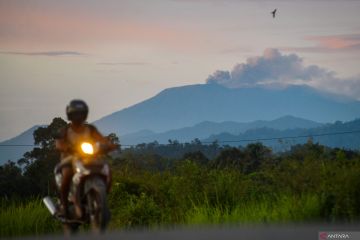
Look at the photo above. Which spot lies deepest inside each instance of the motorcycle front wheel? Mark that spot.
(70, 228)
(98, 210)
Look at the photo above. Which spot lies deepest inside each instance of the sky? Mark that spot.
(116, 53)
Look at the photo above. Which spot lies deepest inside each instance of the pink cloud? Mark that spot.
(35, 28)
(330, 44)
(337, 41)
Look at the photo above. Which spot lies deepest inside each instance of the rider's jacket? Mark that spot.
(73, 138)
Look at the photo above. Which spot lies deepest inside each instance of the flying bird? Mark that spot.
(273, 13)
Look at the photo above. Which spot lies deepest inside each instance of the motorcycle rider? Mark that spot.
(68, 138)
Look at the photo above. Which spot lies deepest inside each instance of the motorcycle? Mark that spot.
(89, 186)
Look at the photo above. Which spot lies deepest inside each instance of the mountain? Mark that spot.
(342, 135)
(201, 130)
(180, 107)
(14, 153)
(207, 128)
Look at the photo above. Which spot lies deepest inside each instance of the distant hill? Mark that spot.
(279, 128)
(14, 153)
(208, 104)
(207, 128)
(344, 135)
(184, 106)
(201, 130)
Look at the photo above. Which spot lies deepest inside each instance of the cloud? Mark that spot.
(48, 53)
(269, 69)
(330, 44)
(123, 63)
(56, 25)
(274, 69)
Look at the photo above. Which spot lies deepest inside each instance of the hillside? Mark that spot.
(212, 109)
(207, 128)
(185, 106)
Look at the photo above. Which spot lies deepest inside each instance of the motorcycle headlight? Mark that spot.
(87, 148)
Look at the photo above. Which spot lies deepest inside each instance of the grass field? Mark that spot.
(283, 209)
(33, 218)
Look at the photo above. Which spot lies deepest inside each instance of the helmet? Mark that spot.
(77, 111)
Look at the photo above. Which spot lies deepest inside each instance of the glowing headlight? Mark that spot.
(87, 148)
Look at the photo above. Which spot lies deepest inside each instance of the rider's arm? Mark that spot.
(102, 140)
(60, 141)
(60, 145)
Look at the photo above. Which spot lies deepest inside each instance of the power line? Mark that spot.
(32, 145)
(225, 141)
(286, 137)
(18, 145)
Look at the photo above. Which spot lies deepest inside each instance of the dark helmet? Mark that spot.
(77, 111)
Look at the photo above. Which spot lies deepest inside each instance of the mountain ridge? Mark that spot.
(185, 106)
(207, 128)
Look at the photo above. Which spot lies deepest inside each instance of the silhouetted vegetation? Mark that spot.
(194, 183)
(338, 134)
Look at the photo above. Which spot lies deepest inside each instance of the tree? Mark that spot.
(113, 138)
(197, 157)
(230, 158)
(12, 182)
(255, 155)
(42, 159)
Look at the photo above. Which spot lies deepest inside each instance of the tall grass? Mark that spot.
(32, 218)
(281, 209)
(29, 218)
(129, 210)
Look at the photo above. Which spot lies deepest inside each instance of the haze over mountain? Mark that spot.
(207, 128)
(180, 107)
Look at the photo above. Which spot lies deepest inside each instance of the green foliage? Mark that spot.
(113, 138)
(31, 218)
(12, 181)
(176, 150)
(310, 183)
